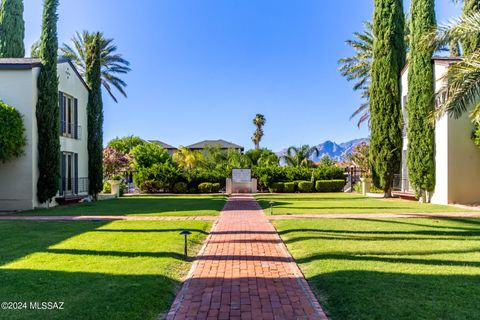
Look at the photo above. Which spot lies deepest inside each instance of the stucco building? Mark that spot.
(457, 158)
(18, 88)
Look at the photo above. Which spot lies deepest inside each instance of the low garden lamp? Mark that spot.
(271, 207)
(185, 233)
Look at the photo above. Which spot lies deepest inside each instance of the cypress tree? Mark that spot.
(95, 114)
(12, 29)
(47, 111)
(471, 43)
(385, 109)
(420, 104)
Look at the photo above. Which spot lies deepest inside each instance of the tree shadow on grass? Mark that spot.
(378, 295)
(87, 295)
(20, 238)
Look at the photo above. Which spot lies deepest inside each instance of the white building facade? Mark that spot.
(18, 88)
(457, 158)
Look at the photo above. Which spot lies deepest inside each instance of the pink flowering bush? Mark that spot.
(115, 163)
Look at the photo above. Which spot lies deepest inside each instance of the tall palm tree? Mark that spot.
(259, 121)
(112, 63)
(300, 156)
(357, 68)
(187, 158)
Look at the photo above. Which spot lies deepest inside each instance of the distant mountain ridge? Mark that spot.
(336, 151)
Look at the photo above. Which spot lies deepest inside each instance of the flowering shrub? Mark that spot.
(115, 163)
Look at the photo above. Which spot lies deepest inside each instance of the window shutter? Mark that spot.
(62, 173)
(75, 118)
(60, 105)
(75, 171)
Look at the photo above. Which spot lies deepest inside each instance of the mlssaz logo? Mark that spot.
(37, 305)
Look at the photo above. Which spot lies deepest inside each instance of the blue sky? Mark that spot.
(202, 69)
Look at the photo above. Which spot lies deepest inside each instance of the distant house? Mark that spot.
(171, 149)
(224, 145)
(18, 88)
(457, 159)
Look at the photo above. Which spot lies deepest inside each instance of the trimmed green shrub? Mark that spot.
(180, 187)
(12, 134)
(289, 187)
(329, 185)
(107, 187)
(276, 187)
(123, 188)
(205, 187)
(216, 187)
(305, 186)
(192, 190)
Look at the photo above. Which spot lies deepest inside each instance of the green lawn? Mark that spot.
(318, 203)
(100, 270)
(198, 205)
(390, 269)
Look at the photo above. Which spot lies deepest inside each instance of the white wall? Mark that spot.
(18, 178)
(17, 186)
(70, 84)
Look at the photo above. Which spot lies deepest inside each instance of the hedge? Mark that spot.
(305, 186)
(270, 174)
(180, 187)
(276, 187)
(330, 185)
(207, 187)
(289, 187)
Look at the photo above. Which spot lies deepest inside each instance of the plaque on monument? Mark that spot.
(241, 175)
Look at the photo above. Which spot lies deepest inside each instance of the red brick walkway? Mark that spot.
(245, 272)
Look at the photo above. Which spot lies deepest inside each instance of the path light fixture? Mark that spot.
(271, 207)
(185, 233)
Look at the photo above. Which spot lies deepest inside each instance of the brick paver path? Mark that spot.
(245, 272)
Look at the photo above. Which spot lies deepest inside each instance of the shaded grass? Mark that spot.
(318, 203)
(389, 268)
(100, 270)
(198, 205)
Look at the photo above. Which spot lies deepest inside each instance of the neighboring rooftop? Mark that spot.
(221, 143)
(19, 63)
(163, 144)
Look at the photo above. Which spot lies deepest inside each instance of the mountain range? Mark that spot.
(332, 149)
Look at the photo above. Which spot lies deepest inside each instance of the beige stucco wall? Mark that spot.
(18, 178)
(70, 84)
(17, 186)
(457, 159)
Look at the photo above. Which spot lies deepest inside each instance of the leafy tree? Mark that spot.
(385, 109)
(112, 63)
(95, 114)
(12, 135)
(325, 160)
(188, 159)
(420, 103)
(259, 121)
(300, 156)
(359, 158)
(262, 157)
(47, 111)
(357, 68)
(12, 29)
(145, 155)
(35, 50)
(125, 144)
